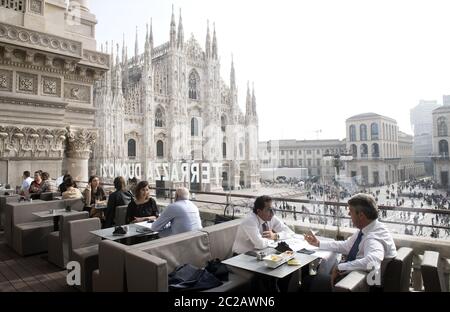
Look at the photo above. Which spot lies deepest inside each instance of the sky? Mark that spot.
(314, 63)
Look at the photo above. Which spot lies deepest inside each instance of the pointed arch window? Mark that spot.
(131, 148)
(194, 83)
(159, 118)
(160, 148)
(223, 123)
(442, 126)
(224, 150)
(194, 126)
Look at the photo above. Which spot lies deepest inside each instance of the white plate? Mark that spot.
(283, 258)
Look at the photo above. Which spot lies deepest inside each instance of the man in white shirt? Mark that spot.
(366, 248)
(259, 228)
(256, 231)
(26, 183)
(179, 217)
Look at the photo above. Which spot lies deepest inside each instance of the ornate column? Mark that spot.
(79, 148)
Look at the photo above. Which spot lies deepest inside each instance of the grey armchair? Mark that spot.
(83, 248)
(58, 250)
(432, 272)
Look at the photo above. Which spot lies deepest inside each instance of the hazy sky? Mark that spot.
(314, 62)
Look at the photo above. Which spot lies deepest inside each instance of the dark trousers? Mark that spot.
(264, 283)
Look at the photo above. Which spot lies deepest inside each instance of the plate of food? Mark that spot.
(275, 260)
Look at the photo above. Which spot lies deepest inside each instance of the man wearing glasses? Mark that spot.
(259, 228)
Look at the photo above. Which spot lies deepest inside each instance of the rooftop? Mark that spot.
(370, 116)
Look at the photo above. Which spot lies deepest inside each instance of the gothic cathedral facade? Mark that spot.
(169, 105)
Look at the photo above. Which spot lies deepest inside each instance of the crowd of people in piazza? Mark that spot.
(414, 193)
(178, 217)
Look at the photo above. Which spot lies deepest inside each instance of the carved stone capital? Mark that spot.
(29, 58)
(8, 54)
(49, 61)
(80, 142)
(36, 143)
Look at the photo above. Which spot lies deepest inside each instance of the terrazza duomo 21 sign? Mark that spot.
(173, 172)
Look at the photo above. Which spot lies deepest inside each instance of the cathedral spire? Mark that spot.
(253, 101)
(208, 42)
(232, 75)
(118, 73)
(112, 53)
(147, 42)
(214, 44)
(117, 55)
(151, 34)
(136, 46)
(123, 50)
(173, 31)
(180, 41)
(248, 106)
(147, 53)
(108, 73)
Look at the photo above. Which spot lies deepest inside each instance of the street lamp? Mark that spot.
(338, 160)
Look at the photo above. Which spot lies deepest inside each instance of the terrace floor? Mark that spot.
(29, 274)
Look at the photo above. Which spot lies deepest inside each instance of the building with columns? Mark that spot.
(441, 138)
(169, 105)
(381, 153)
(372, 139)
(48, 67)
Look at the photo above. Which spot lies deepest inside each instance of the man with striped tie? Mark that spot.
(255, 232)
(260, 227)
(365, 249)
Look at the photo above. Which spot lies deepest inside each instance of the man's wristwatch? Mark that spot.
(277, 236)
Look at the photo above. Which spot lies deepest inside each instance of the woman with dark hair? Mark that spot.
(121, 197)
(71, 190)
(94, 194)
(62, 187)
(144, 207)
(35, 186)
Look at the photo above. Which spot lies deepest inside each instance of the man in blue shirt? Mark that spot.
(179, 217)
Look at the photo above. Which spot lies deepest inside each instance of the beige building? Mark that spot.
(48, 66)
(301, 154)
(373, 141)
(441, 161)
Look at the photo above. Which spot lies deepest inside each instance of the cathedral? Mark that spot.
(167, 110)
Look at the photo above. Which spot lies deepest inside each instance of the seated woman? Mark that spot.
(35, 186)
(48, 186)
(121, 197)
(94, 194)
(62, 187)
(143, 207)
(71, 191)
